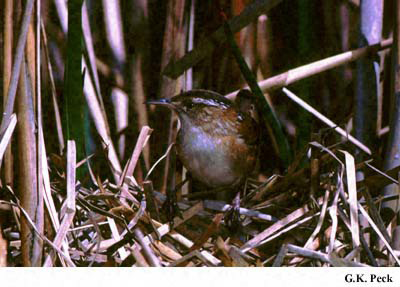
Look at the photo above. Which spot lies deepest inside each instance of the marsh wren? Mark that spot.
(218, 139)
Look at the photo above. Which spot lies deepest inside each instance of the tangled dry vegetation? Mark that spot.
(118, 224)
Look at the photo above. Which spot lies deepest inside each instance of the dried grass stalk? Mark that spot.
(70, 201)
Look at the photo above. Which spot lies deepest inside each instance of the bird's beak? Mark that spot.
(160, 102)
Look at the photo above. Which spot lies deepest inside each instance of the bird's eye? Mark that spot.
(189, 105)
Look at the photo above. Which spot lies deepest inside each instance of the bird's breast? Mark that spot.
(208, 157)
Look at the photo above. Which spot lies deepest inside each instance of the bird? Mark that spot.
(218, 139)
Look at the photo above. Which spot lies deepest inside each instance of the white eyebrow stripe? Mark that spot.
(208, 102)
